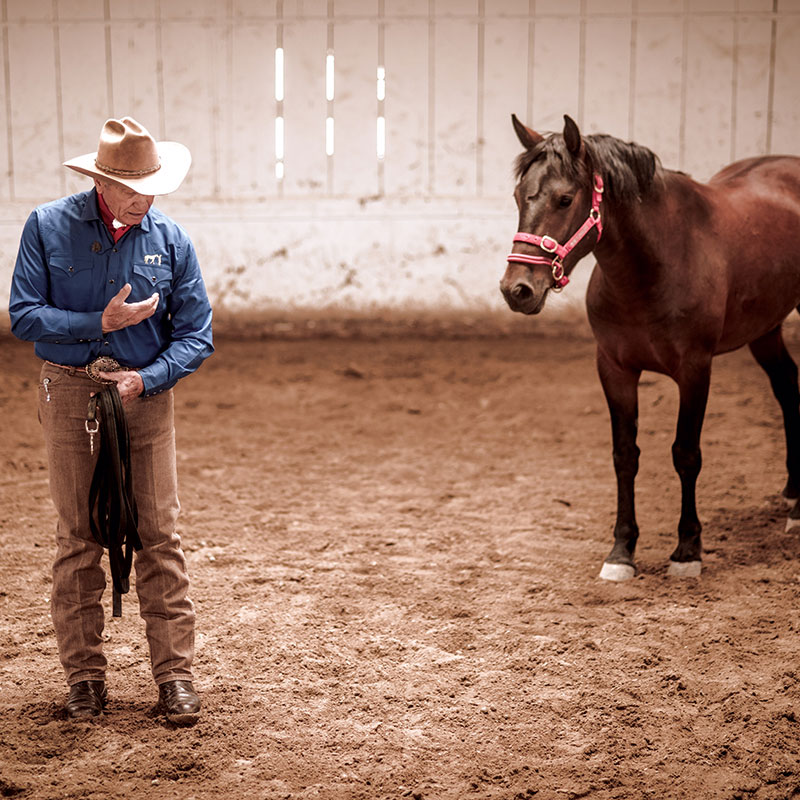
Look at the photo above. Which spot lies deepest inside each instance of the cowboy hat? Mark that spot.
(129, 155)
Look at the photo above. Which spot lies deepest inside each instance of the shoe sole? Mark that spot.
(84, 717)
(183, 719)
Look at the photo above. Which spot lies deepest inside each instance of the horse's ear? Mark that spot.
(528, 137)
(572, 136)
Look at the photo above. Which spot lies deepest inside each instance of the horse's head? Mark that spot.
(558, 197)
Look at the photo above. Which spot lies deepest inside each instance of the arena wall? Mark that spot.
(355, 155)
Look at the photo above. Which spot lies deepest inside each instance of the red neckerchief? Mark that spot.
(108, 219)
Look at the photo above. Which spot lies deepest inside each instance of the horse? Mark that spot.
(684, 271)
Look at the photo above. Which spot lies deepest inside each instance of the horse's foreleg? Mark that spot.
(693, 383)
(621, 390)
(771, 354)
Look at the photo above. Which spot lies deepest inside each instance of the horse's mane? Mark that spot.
(629, 170)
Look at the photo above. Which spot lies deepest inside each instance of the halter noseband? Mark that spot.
(559, 252)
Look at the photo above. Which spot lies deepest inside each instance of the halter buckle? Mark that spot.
(549, 244)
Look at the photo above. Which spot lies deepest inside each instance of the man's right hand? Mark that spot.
(118, 314)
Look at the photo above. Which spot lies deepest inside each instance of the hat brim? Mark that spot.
(175, 162)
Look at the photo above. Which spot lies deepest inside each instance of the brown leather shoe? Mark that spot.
(86, 699)
(179, 702)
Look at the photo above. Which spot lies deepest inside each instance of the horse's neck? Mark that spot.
(641, 237)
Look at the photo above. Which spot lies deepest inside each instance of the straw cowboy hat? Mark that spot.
(129, 155)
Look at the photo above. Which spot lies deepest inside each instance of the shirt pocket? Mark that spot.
(149, 278)
(71, 282)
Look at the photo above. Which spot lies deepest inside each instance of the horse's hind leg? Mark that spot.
(771, 354)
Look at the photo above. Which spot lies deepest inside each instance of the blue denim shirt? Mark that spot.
(67, 270)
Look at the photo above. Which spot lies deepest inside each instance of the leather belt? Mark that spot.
(93, 368)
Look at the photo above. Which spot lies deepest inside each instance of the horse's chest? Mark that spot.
(641, 343)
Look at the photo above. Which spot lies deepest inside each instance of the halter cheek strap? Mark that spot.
(560, 251)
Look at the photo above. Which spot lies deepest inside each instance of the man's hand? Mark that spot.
(118, 314)
(129, 383)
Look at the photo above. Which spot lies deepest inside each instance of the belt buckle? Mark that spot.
(103, 364)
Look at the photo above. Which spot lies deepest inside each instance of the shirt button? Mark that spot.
(111, 281)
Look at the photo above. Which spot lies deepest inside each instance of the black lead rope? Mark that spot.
(112, 506)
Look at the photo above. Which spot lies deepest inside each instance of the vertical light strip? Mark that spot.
(329, 136)
(280, 132)
(380, 95)
(431, 96)
(280, 94)
(330, 94)
(279, 75)
(380, 127)
(329, 77)
(480, 105)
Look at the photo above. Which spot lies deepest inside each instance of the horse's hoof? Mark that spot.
(790, 502)
(792, 523)
(685, 569)
(617, 572)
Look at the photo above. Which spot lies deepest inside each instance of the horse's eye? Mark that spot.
(564, 201)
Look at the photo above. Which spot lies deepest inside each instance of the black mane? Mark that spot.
(628, 169)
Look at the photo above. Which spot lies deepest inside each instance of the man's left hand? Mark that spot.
(129, 383)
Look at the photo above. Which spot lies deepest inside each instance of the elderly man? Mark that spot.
(109, 288)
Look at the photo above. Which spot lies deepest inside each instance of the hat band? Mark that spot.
(127, 173)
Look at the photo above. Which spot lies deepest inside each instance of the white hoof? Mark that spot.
(792, 523)
(617, 572)
(685, 569)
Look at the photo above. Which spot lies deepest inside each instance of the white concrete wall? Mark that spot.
(701, 82)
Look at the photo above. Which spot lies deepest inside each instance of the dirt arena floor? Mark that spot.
(394, 535)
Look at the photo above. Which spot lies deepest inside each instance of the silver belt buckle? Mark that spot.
(103, 364)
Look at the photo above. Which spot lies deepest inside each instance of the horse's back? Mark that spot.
(728, 273)
(757, 234)
(756, 209)
(771, 172)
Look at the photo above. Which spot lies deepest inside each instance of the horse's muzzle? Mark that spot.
(522, 296)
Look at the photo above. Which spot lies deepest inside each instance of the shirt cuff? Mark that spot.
(153, 378)
(86, 325)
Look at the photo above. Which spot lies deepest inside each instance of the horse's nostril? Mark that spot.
(522, 291)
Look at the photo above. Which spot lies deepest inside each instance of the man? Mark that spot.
(104, 274)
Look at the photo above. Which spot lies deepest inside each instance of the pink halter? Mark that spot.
(559, 251)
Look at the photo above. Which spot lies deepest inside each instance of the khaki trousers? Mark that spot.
(79, 579)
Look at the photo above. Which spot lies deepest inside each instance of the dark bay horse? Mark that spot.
(684, 271)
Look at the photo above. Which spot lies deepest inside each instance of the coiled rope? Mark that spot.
(113, 516)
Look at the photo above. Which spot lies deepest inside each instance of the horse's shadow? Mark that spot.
(751, 536)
